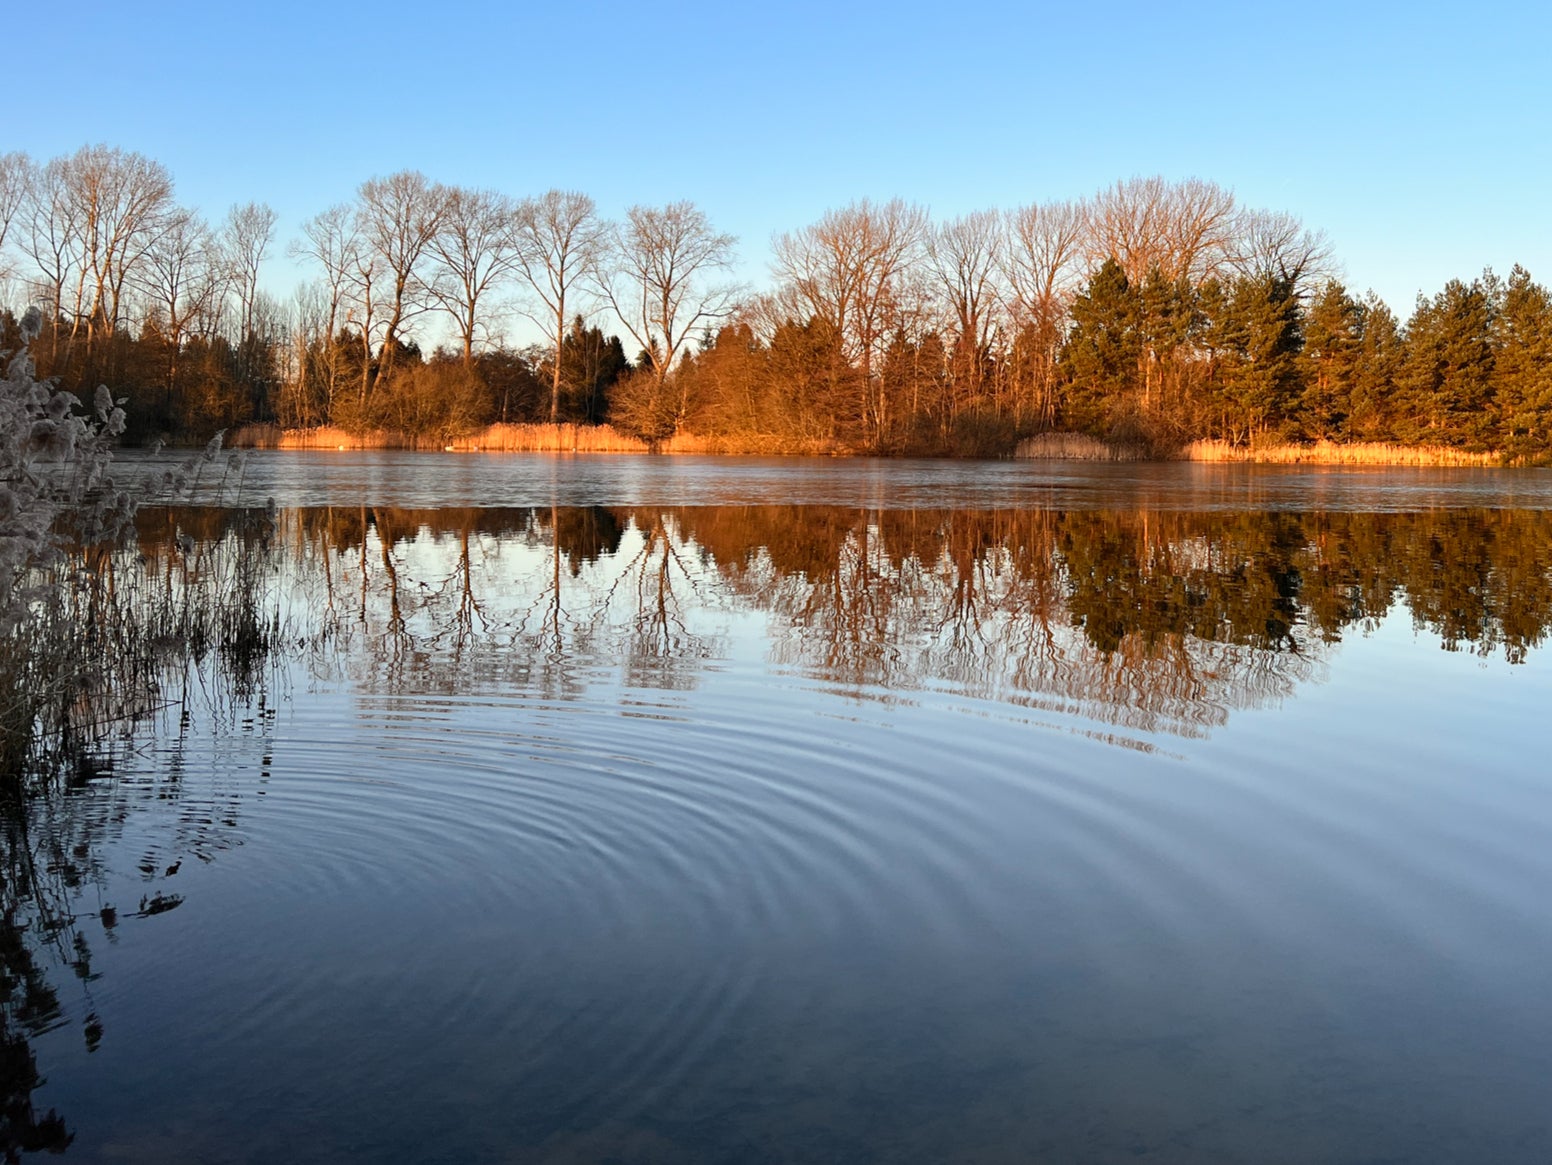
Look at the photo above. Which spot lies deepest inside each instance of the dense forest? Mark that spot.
(1150, 314)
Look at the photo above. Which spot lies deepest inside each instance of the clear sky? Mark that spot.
(1419, 137)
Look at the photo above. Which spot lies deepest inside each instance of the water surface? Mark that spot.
(690, 810)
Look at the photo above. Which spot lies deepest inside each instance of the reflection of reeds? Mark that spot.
(1331, 453)
(112, 637)
(108, 629)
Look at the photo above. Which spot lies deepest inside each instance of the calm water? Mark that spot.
(630, 809)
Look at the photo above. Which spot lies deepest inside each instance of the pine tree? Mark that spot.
(1445, 386)
(1333, 351)
(1380, 354)
(1259, 335)
(1523, 365)
(1103, 354)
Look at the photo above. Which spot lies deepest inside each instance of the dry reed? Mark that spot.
(1075, 447)
(544, 439)
(1056, 446)
(255, 436)
(322, 437)
(536, 439)
(329, 437)
(752, 445)
(1331, 453)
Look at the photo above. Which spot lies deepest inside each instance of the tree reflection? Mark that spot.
(1139, 622)
(1155, 621)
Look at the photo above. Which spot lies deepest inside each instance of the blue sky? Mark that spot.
(1419, 138)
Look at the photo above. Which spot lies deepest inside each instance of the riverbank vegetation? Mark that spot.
(91, 628)
(105, 628)
(1150, 316)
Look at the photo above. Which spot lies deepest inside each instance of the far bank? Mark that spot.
(570, 438)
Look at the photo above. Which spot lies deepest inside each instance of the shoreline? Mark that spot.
(603, 439)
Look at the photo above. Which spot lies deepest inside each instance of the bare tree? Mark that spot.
(399, 216)
(475, 252)
(1040, 264)
(362, 309)
(15, 177)
(560, 242)
(308, 395)
(964, 256)
(51, 239)
(1184, 230)
(330, 239)
(180, 283)
(245, 239)
(1276, 244)
(844, 269)
(665, 285)
(121, 203)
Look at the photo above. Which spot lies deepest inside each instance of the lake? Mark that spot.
(695, 810)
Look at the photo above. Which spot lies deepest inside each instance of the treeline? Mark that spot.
(1151, 314)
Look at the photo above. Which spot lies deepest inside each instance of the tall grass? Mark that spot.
(322, 437)
(565, 438)
(1054, 446)
(1076, 447)
(1332, 453)
(548, 439)
(752, 445)
(491, 439)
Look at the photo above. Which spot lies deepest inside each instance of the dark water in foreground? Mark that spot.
(660, 810)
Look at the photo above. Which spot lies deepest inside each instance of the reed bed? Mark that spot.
(537, 439)
(1076, 447)
(263, 436)
(322, 437)
(543, 439)
(753, 445)
(1332, 453)
(491, 439)
(1053, 446)
(329, 437)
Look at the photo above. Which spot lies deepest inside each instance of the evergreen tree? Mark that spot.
(1104, 351)
(590, 364)
(1168, 321)
(1523, 365)
(1257, 338)
(1372, 399)
(1333, 352)
(1445, 386)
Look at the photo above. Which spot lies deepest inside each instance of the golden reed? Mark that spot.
(531, 439)
(1331, 453)
(1059, 446)
(1076, 447)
